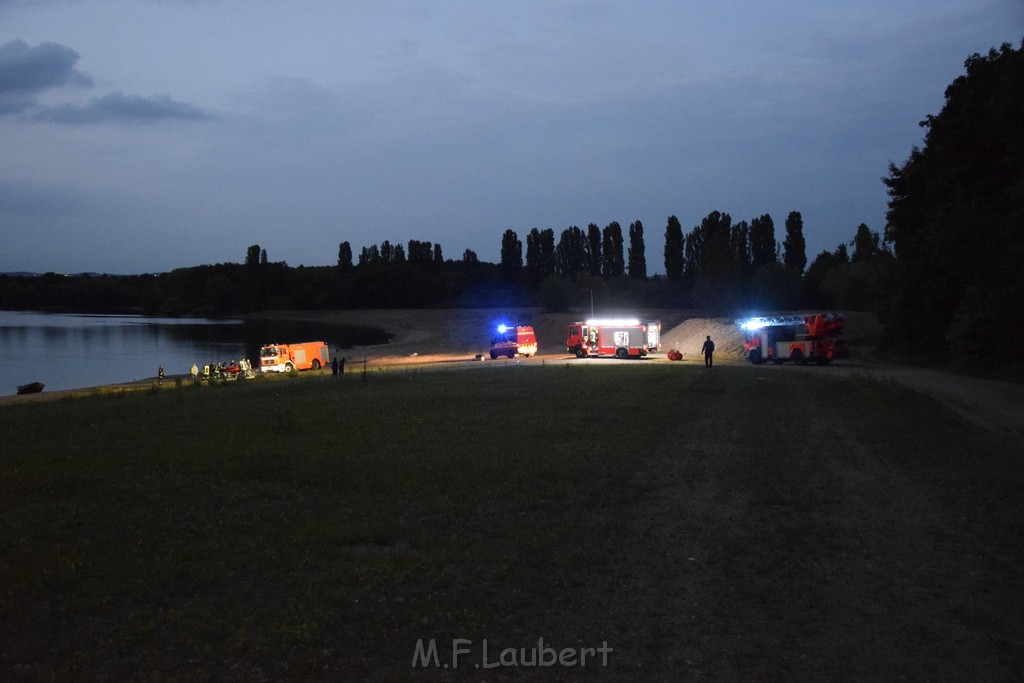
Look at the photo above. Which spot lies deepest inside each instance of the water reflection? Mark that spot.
(70, 351)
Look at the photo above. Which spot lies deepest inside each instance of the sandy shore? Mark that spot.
(443, 336)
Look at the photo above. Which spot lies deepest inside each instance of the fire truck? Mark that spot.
(620, 338)
(514, 341)
(801, 339)
(288, 357)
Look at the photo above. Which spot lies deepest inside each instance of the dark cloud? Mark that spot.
(26, 70)
(120, 108)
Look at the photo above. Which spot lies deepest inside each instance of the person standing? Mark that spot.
(160, 375)
(334, 367)
(195, 373)
(708, 351)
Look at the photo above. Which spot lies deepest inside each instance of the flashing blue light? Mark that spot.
(503, 328)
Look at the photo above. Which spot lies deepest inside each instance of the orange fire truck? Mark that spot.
(620, 338)
(801, 339)
(514, 341)
(288, 357)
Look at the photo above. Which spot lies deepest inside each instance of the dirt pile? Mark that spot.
(688, 337)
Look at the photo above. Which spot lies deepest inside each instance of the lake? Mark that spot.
(68, 351)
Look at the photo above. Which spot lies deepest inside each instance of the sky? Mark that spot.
(146, 135)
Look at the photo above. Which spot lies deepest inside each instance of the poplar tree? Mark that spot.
(673, 249)
(511, 255)
(614, 262)
(637, 256)
(594, 249)
(794, 247)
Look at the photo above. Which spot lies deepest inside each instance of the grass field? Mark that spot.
(735, 523)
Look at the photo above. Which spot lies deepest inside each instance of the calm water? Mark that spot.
(67, 351)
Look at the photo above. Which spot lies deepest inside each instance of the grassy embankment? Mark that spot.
(738, 523)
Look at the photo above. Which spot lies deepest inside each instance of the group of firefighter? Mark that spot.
(230, 370)
(234, 370)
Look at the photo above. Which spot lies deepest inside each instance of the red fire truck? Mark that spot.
(798, 338)
(626, 338)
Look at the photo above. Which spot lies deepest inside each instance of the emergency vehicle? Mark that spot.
(288, 357)
(514, 341)
(800, 339)
(620, 338)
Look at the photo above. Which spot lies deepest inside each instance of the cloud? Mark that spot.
(26, 71)
(121, 108)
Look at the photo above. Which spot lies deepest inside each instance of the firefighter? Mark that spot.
(334, 366)
(708, 351)
(195, 372)
(160, 374)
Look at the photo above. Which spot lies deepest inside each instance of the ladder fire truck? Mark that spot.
(801, 339)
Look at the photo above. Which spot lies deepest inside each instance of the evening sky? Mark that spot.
(145, 135)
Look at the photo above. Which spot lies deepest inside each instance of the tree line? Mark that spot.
(946, 275)
(716, 266)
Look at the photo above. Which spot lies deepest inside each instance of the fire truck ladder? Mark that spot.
(772, 321)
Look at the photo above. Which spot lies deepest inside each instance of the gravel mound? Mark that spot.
(688, 337)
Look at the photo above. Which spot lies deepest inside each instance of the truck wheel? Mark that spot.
(797, 357)
(289, 367)
(580, 352)
(755, 357)
(622, 353)
(315, 365)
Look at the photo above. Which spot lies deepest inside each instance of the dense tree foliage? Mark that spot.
(571, 252)
(511, 255)
(344, 257)
(956, 217)
(611, 244)
(594, 253)
(637, 251)
(794, 247)
(763, 249)
(673, 249)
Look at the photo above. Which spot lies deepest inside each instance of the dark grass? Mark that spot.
(731, 523)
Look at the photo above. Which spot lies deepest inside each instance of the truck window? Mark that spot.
(573, 330)
(268, 352)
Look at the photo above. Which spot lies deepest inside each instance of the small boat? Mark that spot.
(33, 388)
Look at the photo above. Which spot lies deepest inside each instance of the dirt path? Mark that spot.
(994, 405)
